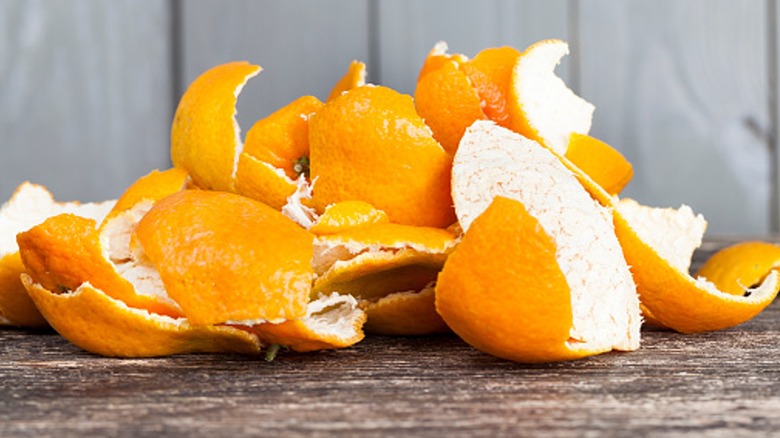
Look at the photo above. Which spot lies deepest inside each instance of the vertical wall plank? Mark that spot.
(682, 89)
(408, 29)
(303, 46)
(85, 105)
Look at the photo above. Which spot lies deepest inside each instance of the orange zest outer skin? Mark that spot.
(673, 298)
(223, 257)
(369, 144)
(490, 72)
(448, 103)
(283, 137)
(347, 214)
(298, 336)
(64, 252)
(15, 306)
(604, 164)
(353, 78)
(204, 135)
(95, 322)
(741, 265)
(405, 314)
(502, 290)
(262, 182)
(152, 187)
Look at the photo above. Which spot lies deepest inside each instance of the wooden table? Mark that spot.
(725, 383)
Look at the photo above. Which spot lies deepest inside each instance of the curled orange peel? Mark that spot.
(390, 268)
(369, 144)
(29, 205)
(532, 235)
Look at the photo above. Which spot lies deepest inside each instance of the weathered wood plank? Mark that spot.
(85, 103)
(408, 29)
(724, 383)
(682, 89)
(303, 46)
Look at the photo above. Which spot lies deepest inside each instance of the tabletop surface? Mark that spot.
(724, 383)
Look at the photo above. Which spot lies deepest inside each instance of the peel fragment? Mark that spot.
(29, 205)
(390, 268)
(557, 218)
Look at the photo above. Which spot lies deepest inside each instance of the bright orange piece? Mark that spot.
(353, 78)
(490, 72)
(388, 267)
(503, 292)
(741, 266)
(224, 257)
(600, 161)
(205, 137)
(92, 320)
(347, 214)
(16, 308)
(276, 153)
(152, 187)
(445, 97)
(541, 106)
(65, 252)
(669, 295)
(369, 144)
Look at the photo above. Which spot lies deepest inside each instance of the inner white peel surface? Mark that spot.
(493, 161)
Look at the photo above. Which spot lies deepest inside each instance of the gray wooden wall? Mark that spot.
(686, 89)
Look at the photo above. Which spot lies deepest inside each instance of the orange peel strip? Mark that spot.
(205, 137)
(370, 144)
(353, 78)
(741, 266)
(93, 321)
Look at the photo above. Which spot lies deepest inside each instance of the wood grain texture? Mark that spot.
(408, 29)
(682, 89)
(303, 46)
(85, 103)
(723, 383)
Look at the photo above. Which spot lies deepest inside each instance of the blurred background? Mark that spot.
(685, 89)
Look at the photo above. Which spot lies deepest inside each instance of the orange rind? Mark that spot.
(161, 252)
(205, 136)
(390, 268)
(93, 321)
(29, 205)
(276, 153)
(604, 164)
(539, 274)
(347, 214)
(353, 78)
(369, 144)
(741, 267)
(245, 274)
(658, 244)
(445, 98)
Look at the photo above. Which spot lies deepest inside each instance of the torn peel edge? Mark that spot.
(408, 313)
(127, 331)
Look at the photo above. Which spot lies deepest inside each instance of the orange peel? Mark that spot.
(445, 98)
(353, 78)
(29, 205)
(276, 153)
(205, 136)
(517, 286)
(73, 267)
(347, 214)
(390, 268)
(93, 321)
(541, 107)
(658, 244)
(369, 144)
(741, 266)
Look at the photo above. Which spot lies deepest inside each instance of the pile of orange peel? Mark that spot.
(479, 206)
